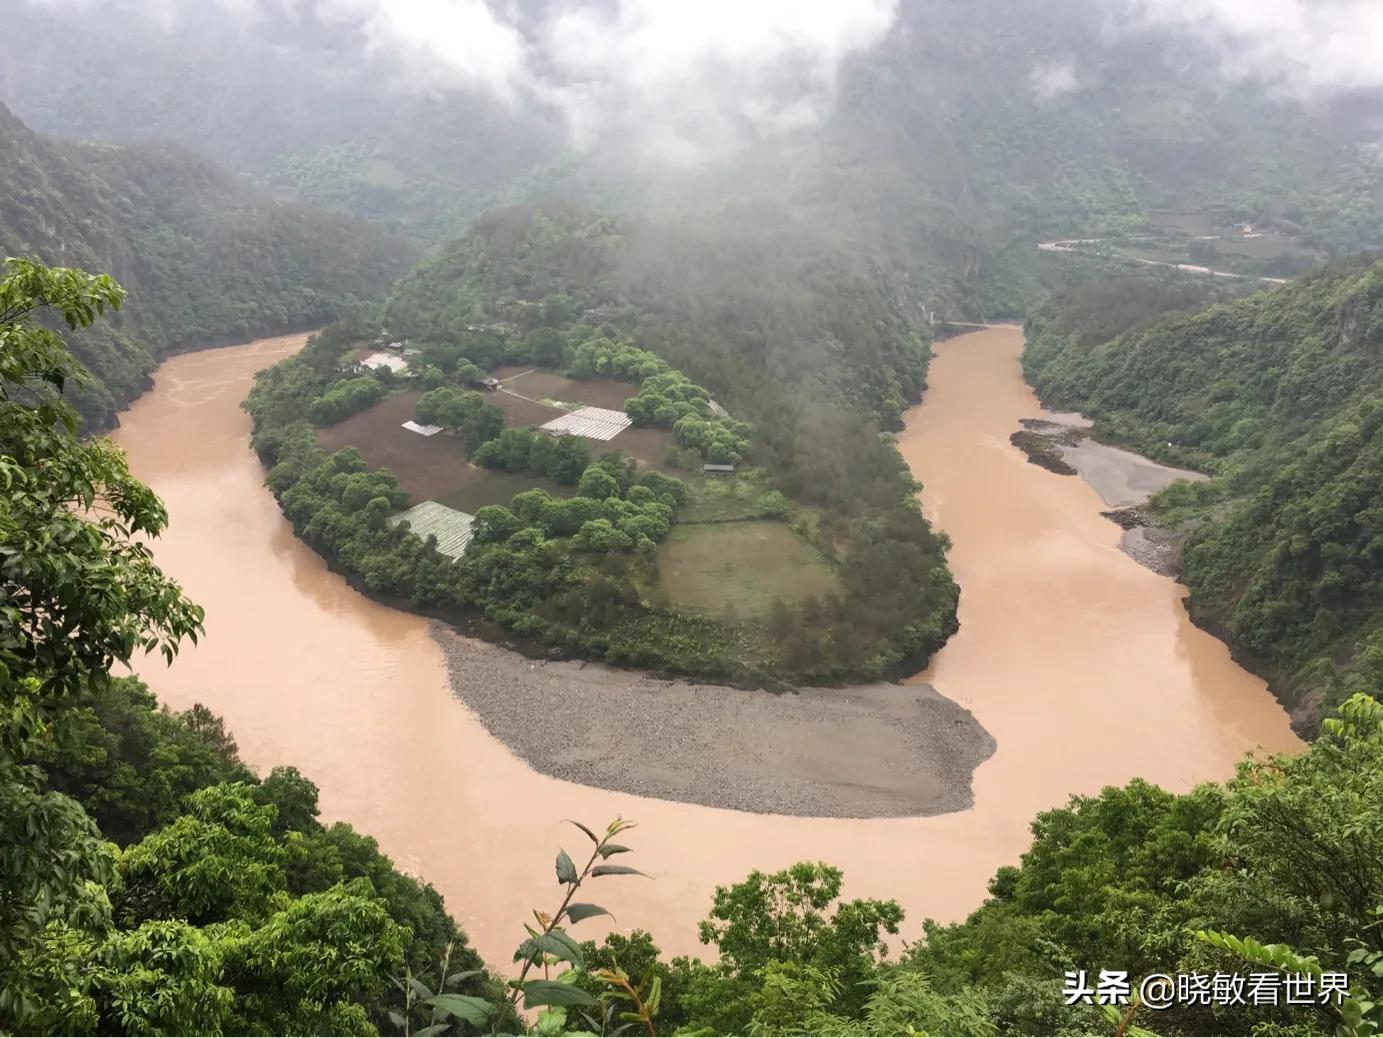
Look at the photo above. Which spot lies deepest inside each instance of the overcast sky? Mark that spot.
(688, 79)
(1310, 47)
(684, 79)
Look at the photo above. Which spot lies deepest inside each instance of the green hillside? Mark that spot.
(206, 258)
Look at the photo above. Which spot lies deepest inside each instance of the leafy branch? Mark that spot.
(547, 944)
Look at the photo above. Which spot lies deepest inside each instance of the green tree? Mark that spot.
(128, 762)
(216, 862)
(597, 483)
(103, 583)
(783, 917)
(162, 978)
(78, 593)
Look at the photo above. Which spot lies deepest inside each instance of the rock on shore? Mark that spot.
(1124, 480)
(867, 751)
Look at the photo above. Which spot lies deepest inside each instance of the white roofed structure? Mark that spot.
(384, 360)
(453, 529)
(594, 423)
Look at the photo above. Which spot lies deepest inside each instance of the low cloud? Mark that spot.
(679, 81)
(691, 79)
(1054, 79)
(1312, 48)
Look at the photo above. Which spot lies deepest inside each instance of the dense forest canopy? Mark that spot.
(207, 259)
(1278, 396)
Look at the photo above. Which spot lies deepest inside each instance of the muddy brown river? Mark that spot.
(1081, 663)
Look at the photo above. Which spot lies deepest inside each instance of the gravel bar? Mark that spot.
(868, 751)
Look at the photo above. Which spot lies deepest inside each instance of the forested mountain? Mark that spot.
(291, 102)
(769, 294)
(974, 130)
(968, 132)
(1280, 396)
(206, 257)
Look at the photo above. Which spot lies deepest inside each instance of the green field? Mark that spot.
(717, 498)
(740, 568)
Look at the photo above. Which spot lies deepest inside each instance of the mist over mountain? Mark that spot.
(937, 130)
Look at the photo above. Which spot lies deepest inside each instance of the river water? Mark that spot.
(1081, 663)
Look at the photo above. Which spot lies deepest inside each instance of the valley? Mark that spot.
(814, 517)
(374, 719)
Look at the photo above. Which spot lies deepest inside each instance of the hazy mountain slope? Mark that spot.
(970, 131)
(1280, 395)
(977, 129)
(298, 106)
(205, 257)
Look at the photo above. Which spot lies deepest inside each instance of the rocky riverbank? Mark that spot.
(862, 752)
(1156, 547)
(1124, 480)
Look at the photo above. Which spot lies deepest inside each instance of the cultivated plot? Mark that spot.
(496, 487)
(593, 392)
(426, 466)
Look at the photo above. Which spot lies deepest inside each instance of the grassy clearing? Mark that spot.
(720, 498)
(739, 568)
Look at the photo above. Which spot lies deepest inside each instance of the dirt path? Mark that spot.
(1078, 246)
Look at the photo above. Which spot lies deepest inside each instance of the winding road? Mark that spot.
(1080, 247)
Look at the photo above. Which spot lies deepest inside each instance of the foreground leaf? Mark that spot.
(566, 869)
(551, 993)
(475, 1011)
(579, 911)
(616, 870)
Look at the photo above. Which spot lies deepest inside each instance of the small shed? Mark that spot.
(718, 470)
(489, 384)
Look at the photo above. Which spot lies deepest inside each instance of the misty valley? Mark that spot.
(807, 518)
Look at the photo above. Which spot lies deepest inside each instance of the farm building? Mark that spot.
(422, 430)
(594, 423)
(717, 470)
(385, 360)
(453, 529)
